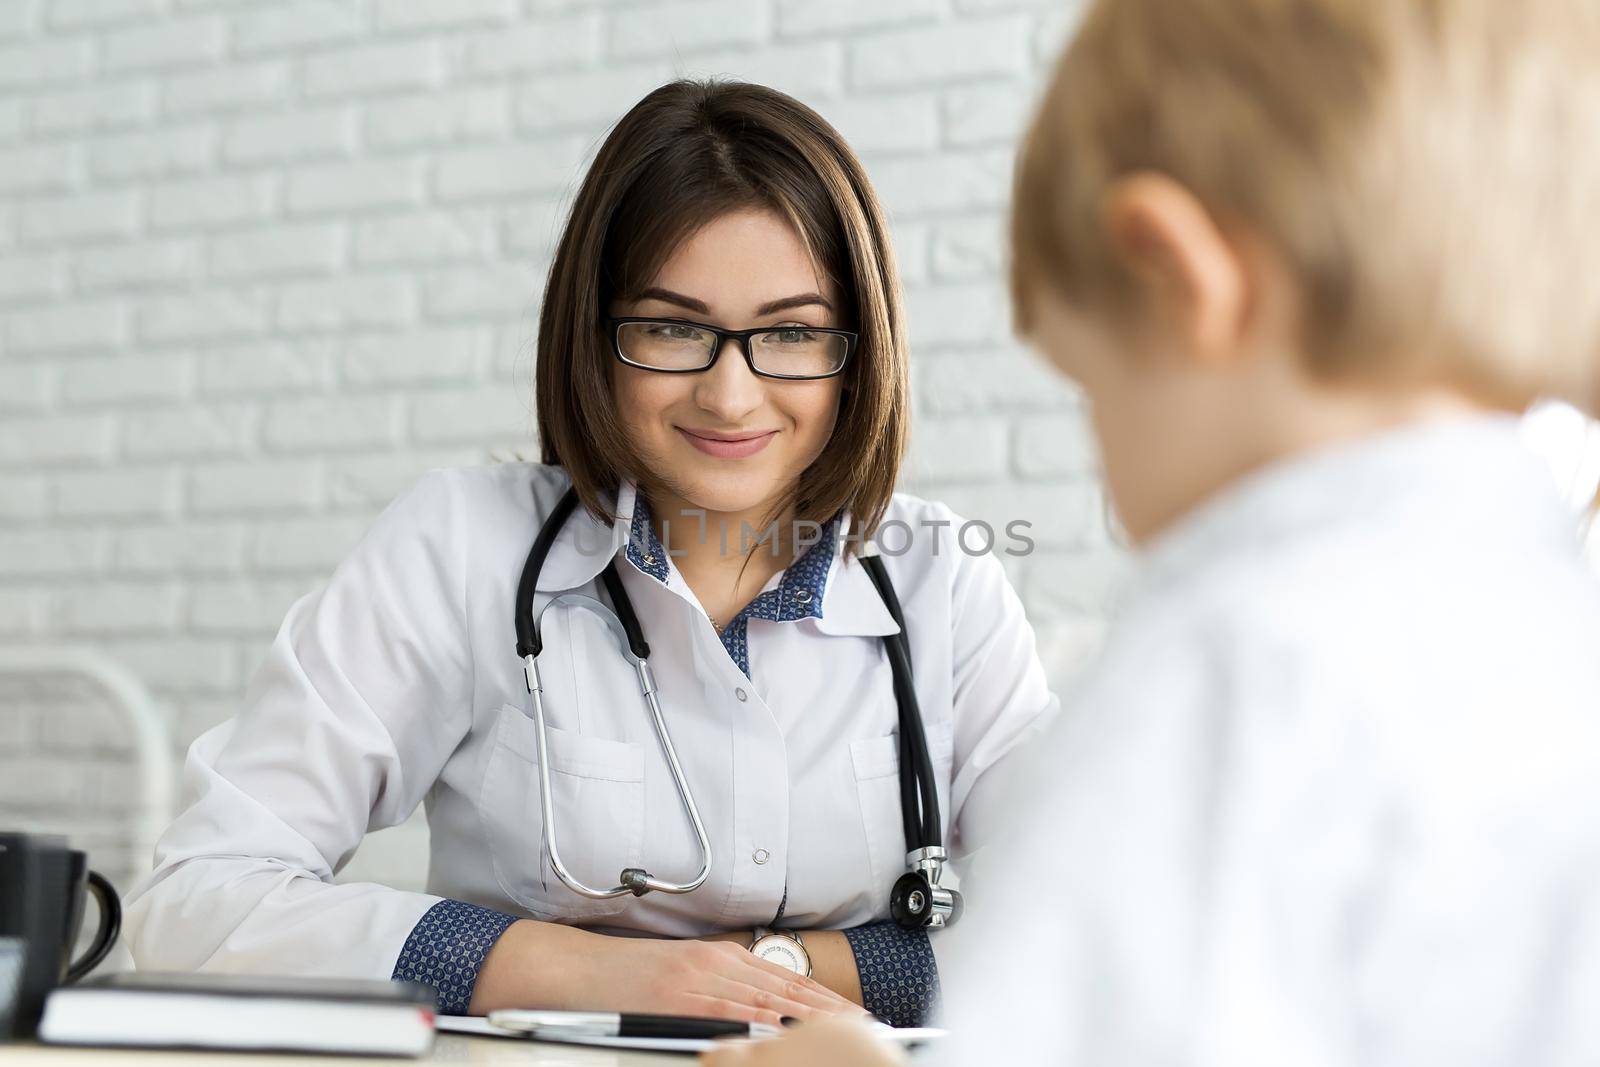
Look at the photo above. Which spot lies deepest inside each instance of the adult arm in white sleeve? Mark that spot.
(364, 694)
(1002, 699)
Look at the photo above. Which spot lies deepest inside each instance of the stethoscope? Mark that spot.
(917, 900)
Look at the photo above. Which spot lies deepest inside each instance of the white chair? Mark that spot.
(152, 806)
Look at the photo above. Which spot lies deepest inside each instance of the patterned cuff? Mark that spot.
(899, 977)
(446, 950)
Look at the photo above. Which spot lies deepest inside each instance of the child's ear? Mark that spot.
(1192, 278)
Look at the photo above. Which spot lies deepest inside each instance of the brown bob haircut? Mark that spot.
(686, 154)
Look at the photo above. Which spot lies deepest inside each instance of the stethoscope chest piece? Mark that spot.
(918, 900)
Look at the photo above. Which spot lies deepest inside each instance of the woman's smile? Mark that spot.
(728, 445)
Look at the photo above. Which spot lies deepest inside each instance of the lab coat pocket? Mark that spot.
(876, 762)
(597, 788)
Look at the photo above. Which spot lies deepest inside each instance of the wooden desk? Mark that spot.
(447, 1048)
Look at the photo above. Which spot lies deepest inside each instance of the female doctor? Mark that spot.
(722, 387)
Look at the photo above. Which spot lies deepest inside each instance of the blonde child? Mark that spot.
(1332, 794)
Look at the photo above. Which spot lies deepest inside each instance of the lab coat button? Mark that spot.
(761, 855)
(741, 694)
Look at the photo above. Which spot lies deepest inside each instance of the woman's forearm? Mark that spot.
(517, 973)
(833, 964)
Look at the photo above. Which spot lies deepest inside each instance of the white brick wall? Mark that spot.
(263, 262)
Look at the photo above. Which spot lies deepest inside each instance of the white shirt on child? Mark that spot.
(1332, 793)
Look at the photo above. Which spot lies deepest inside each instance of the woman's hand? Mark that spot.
(543, 965)
(836, 1042)
(833, 961)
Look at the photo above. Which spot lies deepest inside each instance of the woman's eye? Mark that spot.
(794, 337)
(674, 332)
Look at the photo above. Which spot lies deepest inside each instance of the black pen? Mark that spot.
(559, 1024)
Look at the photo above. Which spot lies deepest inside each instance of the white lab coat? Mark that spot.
(398, 684)
(1331, 797)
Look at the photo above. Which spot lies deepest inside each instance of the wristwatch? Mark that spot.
(782, 947)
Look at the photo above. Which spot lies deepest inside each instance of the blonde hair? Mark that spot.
(1428, 169)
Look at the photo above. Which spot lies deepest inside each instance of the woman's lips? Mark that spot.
(728, 446)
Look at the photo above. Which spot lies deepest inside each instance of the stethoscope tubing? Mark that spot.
(634, 880)
(919, 797)
(919, 794)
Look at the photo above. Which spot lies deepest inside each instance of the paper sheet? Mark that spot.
(478, 1026)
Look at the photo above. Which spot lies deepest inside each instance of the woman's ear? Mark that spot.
(1190, 275)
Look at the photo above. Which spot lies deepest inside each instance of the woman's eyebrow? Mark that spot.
(669, 297)
(803, 300)
(770, 308)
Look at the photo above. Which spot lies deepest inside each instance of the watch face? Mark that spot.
(785, 952)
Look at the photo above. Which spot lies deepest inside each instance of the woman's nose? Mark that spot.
(729, 389)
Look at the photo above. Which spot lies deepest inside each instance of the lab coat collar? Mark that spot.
(851, 606)
(850, 603)
(586, 544)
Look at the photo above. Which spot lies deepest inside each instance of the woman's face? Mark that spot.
(724, 439)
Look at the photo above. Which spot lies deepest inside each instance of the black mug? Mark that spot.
(44, 885)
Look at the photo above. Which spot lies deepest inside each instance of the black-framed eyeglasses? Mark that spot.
(679, 346)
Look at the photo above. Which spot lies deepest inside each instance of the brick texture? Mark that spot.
(263, 264)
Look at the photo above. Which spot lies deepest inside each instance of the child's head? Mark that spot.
(1258, 225)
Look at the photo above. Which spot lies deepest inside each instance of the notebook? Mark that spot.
(243, 1012)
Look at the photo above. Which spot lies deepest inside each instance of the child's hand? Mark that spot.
(838, 1042)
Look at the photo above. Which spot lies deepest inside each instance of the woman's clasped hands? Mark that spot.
(712, 979)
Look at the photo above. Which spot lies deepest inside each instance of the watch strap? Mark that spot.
(762, 931)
